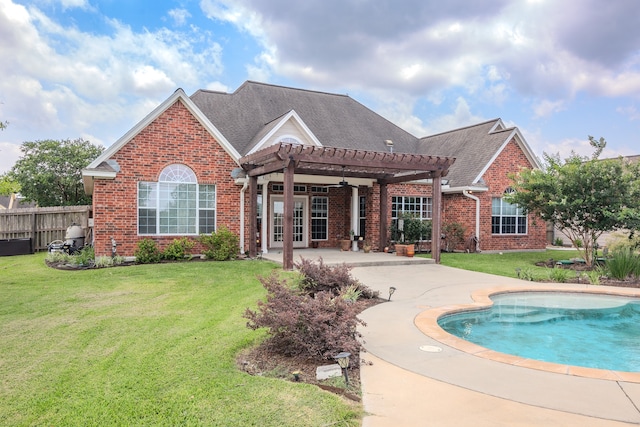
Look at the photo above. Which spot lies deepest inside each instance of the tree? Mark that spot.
(8, 186)
(50, 172)
(582, 197)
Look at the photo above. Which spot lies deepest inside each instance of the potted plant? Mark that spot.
(345, 244)
(366, 247)
(411, 230)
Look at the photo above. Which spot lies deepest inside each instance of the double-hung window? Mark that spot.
(176, 204)
(507, 218)
(319, 218)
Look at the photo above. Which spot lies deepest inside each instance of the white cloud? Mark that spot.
(460, 117)
(9, 154)
(179, 16)
(62, 82)
(545, 108)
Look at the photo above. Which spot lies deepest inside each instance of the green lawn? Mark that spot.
(506, 264)
(149, 345)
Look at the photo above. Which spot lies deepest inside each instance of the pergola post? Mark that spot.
(253, 216)
(436, 220)
(384, 193)
(287, 232)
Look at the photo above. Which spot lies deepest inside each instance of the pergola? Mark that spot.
(386, 168)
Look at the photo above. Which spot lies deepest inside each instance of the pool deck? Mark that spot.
(405, 382)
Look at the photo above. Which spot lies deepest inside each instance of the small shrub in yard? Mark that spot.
(84, 257)
(594, 276)
(221, 245)
(528, 274)
(302, 325)
(178, 250)
(623, 263)
(147, 252)
(55, 257)
(559, 275)
(320, 277)
(558, 242)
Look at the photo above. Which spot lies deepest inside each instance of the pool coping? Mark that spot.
(427, 323)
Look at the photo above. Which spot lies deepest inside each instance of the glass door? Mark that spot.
(299, 222)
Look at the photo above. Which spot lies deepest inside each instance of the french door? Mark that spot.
(299, 222)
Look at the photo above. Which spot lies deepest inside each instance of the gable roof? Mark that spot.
(475, 148)
(101, 167)
(335, 120)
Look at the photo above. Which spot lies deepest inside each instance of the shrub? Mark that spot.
(623, 240)
(84, 257)
(528, 274)
(58, 257)
(178, 249)
(559, 275)
(594, 276)
(321, 277)
(578, 243)
(104, 261)
(221, 245)
(453, 235)
(302, 325)
(558, 242)
(147, 252)
(622, 264)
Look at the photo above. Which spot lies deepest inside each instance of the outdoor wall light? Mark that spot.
(343, 361)
(391, 291)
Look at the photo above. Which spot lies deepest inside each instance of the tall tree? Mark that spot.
(50, 172)
(582, 197)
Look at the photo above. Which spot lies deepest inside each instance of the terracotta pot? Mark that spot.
(410, 251)
(345, 245)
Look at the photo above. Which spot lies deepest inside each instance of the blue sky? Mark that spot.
(560, 71)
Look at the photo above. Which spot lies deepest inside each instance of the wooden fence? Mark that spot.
(43, 225)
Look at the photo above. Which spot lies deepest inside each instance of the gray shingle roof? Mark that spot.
(472, 146)
(336, 120)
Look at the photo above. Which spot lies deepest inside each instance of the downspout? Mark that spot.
(472, 197)
(242, 191)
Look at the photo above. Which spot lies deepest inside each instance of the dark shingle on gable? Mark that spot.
(472, 146)
(336, 120)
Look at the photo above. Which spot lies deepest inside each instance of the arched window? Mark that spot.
(507, 218)
(176, 204)
(290, 140)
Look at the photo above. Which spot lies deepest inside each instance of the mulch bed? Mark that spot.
(579, 267)
(261, 361)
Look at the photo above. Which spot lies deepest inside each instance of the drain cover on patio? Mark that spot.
(430, 348)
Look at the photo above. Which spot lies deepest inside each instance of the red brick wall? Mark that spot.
(174, 137)
(177, 137)
(509, 160)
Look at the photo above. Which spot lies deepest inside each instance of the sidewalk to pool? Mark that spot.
(404, 385)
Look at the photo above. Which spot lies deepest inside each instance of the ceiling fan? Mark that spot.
(343, 183)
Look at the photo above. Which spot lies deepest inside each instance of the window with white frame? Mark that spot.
(507, 218)
(176, 204)
(416, 206)
(420, 207)
(319, 218)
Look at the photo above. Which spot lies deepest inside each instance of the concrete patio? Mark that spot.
(404, 385)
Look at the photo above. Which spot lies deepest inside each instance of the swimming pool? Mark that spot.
(580, 329)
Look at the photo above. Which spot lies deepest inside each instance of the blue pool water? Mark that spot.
(595, 331)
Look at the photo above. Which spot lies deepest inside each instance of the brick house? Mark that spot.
(196, 163)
